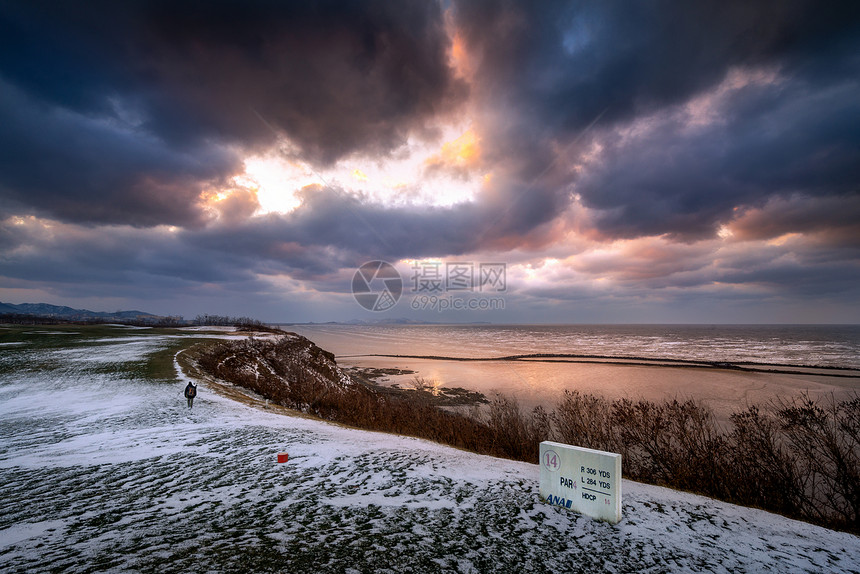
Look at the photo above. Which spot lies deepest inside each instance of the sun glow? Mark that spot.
(420, 173)
(461, 152)
(724, 232)
(275, 181)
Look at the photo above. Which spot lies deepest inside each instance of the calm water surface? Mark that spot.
(544, 383)
(830, 345)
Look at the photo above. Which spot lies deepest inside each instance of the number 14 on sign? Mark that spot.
(550, 460)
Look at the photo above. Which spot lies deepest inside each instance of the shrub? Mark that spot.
(513, 433)
(826, 443)
(585, 420)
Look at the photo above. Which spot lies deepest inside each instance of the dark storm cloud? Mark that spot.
(123, 111)
(334, 232)
(566, 62)
(809, 280)
(336, 76)
(66, 164)
(563, 65)
(36, 250)
(686, 181)
(834, 220)
(192, 78)
(363, 230)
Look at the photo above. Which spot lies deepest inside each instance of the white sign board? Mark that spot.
(581, 479)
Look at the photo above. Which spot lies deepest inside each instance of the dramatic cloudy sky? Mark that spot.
(666, 161)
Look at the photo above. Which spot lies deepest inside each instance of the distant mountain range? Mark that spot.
(67, 313)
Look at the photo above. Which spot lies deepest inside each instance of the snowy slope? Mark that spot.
(103, 469)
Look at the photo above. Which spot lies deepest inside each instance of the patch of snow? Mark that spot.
(27, 530)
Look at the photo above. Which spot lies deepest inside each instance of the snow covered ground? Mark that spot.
(105, 469)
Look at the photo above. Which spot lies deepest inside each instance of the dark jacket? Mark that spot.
(190, 391)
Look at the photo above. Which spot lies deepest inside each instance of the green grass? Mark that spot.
(156, 366)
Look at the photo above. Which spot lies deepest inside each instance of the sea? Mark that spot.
(813, 359)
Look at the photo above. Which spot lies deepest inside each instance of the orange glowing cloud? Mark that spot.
(781, 220)
(459, 58)
(232, 205)
(458, 156)
(644, 258)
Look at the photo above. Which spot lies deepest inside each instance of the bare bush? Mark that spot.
(585, 420)
(760, 469)
(827, 450)
(423, 385)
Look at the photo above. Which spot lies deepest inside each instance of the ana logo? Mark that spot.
(551, 461)
(377, 286)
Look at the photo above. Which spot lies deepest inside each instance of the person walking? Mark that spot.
(190, 393)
